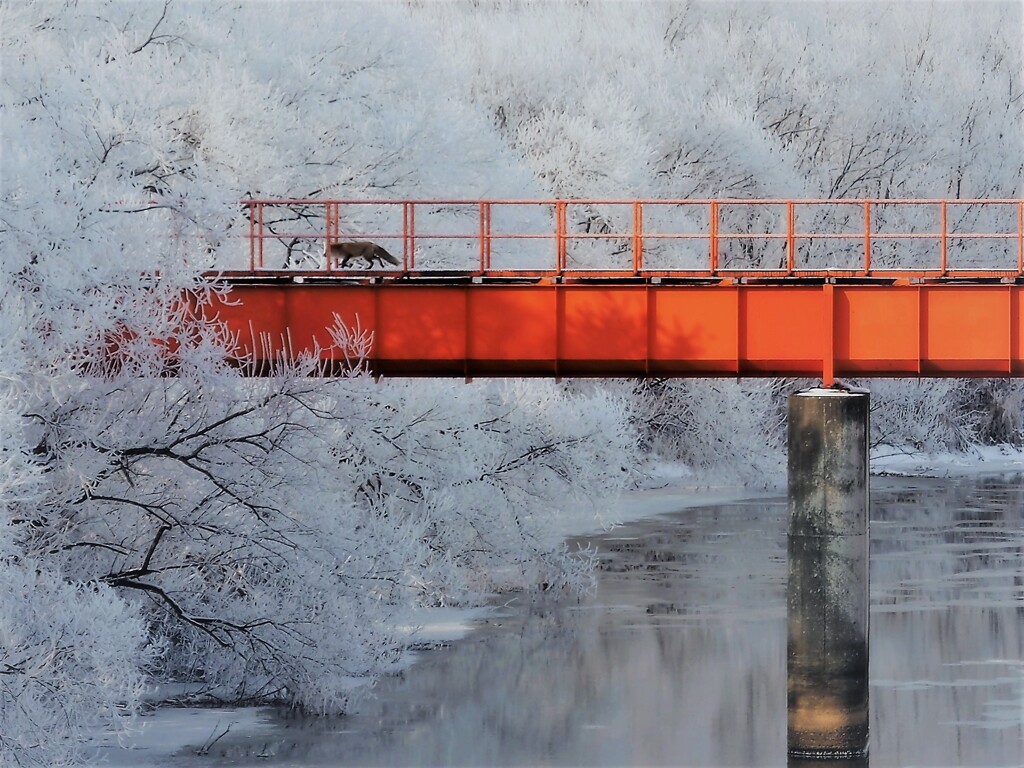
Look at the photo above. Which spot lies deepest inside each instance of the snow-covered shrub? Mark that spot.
(923, 415)
(945, 414)
(731, 431)
(73, 657)
(997, 408)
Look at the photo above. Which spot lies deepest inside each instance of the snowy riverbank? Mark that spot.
(980, 460)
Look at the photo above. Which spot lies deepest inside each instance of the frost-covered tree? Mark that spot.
(259, 538)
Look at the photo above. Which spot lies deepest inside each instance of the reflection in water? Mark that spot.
(828, 643)
(947, 626)
(681, 657)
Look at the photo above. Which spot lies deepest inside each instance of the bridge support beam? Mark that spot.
(827, 667)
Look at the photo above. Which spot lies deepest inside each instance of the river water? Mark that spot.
(680, 658)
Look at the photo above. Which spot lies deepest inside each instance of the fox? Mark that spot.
(365, 250)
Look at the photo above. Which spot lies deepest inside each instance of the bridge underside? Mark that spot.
(641, 327)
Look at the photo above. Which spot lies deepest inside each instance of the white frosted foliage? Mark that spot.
(263, 539)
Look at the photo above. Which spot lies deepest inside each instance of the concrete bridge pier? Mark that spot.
(827, 667)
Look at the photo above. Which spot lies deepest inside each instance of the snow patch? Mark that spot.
(165, 732)
(980, 460)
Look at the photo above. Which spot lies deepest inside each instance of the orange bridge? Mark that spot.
(817, 288)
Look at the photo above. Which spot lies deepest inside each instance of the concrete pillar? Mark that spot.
(828, 574)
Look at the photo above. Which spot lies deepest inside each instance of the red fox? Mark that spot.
(367, 251)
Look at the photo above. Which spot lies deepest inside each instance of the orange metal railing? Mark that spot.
(681, 238)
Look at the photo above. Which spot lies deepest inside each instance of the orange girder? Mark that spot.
(637, 328)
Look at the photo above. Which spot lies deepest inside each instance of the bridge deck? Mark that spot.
(635, 327)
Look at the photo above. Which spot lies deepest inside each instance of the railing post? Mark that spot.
(943, 238)
(485, 236)
(252, 232)
(259, 232)
(330, 234)
(790, 237)
(1020, 237)
(409, 236)
(638, 237)
(867, 237)
(560, 239)
(405, 234)
(713, 236)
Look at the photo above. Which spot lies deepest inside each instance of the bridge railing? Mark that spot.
(670, 238)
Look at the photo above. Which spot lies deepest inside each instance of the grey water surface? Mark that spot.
(680, 658)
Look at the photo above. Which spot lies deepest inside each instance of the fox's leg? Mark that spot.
(384, 257)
